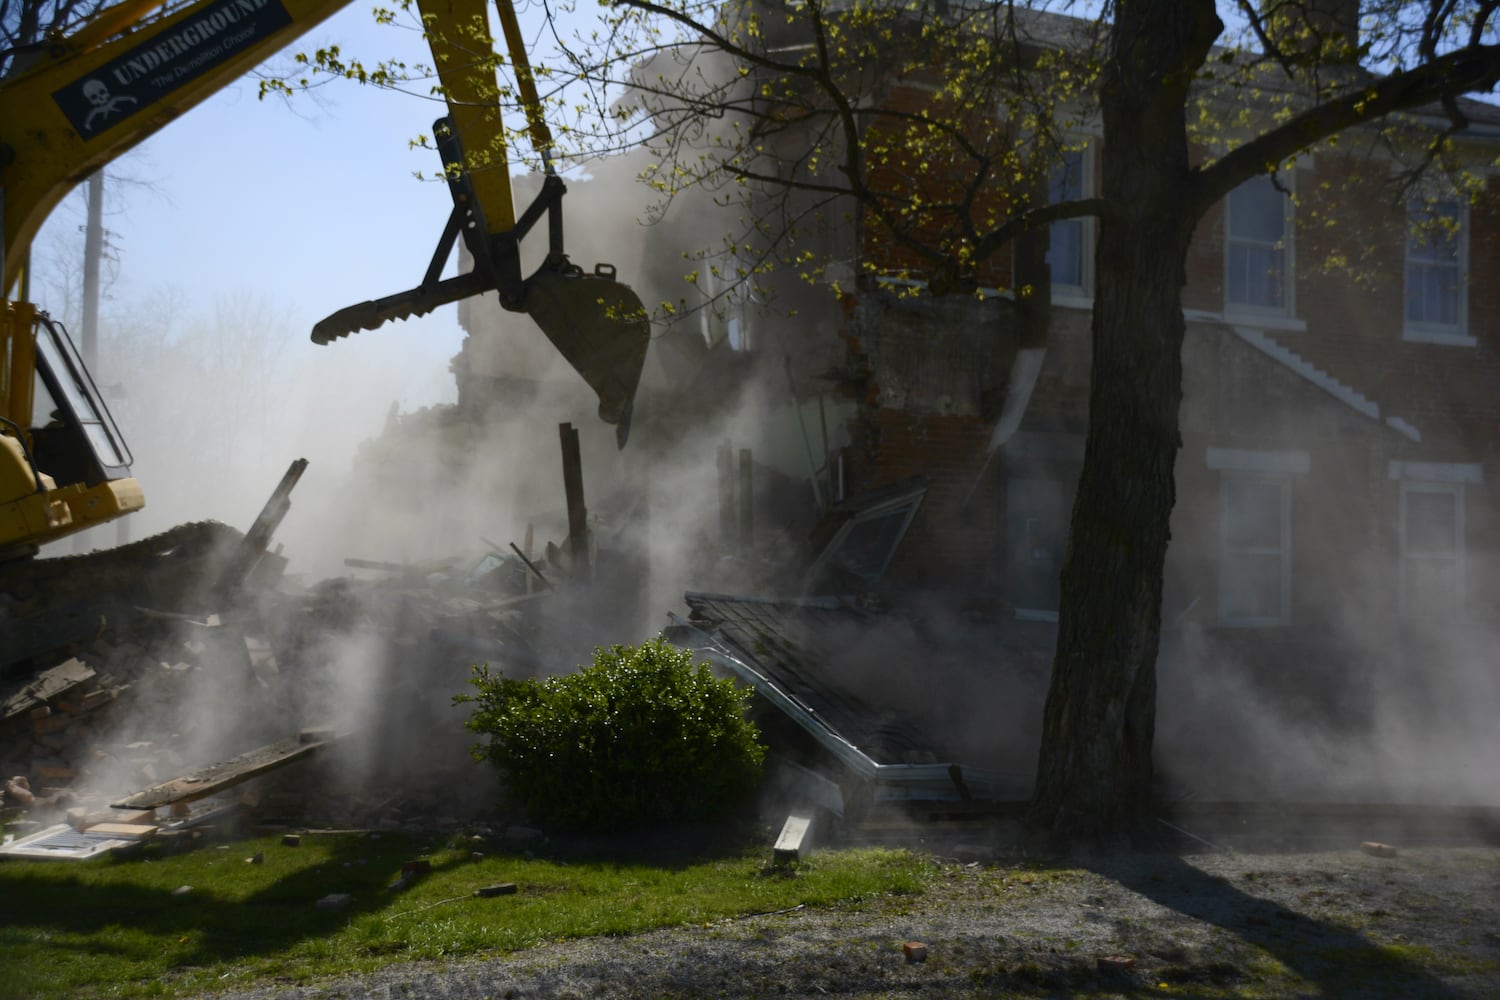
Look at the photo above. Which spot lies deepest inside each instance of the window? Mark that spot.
(1432, 549)
(1036, 537)
(1257, 248)
(869, 530)
(1255, 565)
(1436, 248)
(1069, 253)
(724, 318)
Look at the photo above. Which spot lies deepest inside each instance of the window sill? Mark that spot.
(1257, 321)
(1254, 622)
(1072, 298)
(1437, 337)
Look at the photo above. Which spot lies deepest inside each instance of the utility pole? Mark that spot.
(93, 249)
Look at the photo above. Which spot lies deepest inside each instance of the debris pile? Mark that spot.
(132, 707)
(188, 648)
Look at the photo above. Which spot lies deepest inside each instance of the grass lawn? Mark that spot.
(113, 927)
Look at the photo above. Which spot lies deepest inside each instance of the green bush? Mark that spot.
(641, 737)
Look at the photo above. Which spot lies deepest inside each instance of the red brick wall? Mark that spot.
(949, 545)
(909, 160)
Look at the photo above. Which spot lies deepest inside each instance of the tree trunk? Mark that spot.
(1094, 772)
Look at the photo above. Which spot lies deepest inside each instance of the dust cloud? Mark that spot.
(409, 468)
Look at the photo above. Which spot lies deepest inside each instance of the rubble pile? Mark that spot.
(129, 708)
(377, 655)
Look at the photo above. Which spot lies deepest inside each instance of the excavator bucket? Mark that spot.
(599, 325)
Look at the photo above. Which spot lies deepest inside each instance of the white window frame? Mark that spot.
(726, 321)
(1241, 464)
(1458, 558)
(1079, 295)
(1227, 481)
(1457, 333)
(1288, 243)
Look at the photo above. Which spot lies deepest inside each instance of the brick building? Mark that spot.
(1335, 529)
(1342, 393)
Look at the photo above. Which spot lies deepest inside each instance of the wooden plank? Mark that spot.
(747, 500)
(727, 517)
(225, 774)
(44, 687)
(135, 831)
(578, 514)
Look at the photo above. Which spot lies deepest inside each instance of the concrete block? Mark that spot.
(795, 839)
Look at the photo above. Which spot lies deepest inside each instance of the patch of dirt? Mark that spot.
(1334, 923)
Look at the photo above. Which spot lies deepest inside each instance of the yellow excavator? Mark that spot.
(74, 102)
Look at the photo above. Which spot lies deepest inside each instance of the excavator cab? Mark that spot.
(54, 419)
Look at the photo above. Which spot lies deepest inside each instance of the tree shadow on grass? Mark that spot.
(105, 910)
(1333, 960)
(114, 917)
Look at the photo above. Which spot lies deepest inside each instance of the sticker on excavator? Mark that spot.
(138, 78)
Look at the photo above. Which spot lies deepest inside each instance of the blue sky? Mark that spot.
(310, 205)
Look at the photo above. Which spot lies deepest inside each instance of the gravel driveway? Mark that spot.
(1334, 924)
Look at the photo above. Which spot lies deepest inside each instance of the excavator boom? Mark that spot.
(597, 324)
(71, 104)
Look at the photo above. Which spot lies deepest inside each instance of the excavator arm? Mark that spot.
(71, 104)
(597, 323)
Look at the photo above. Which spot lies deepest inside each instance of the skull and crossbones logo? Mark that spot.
(105, 104)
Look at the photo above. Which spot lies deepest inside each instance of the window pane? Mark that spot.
(1254, 275)
(1434, 273)
(1440, 296)
(1257, 211)
(1433, 231)
(1432, 294)
(868, 546)
(1252, 587)
(1066, 183)
(1431, 523)
(1065, 253)
(1252, 515)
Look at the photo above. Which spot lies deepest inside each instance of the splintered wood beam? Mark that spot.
(215, 778)
(578, 515)
(727, 517)
(50, 684)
